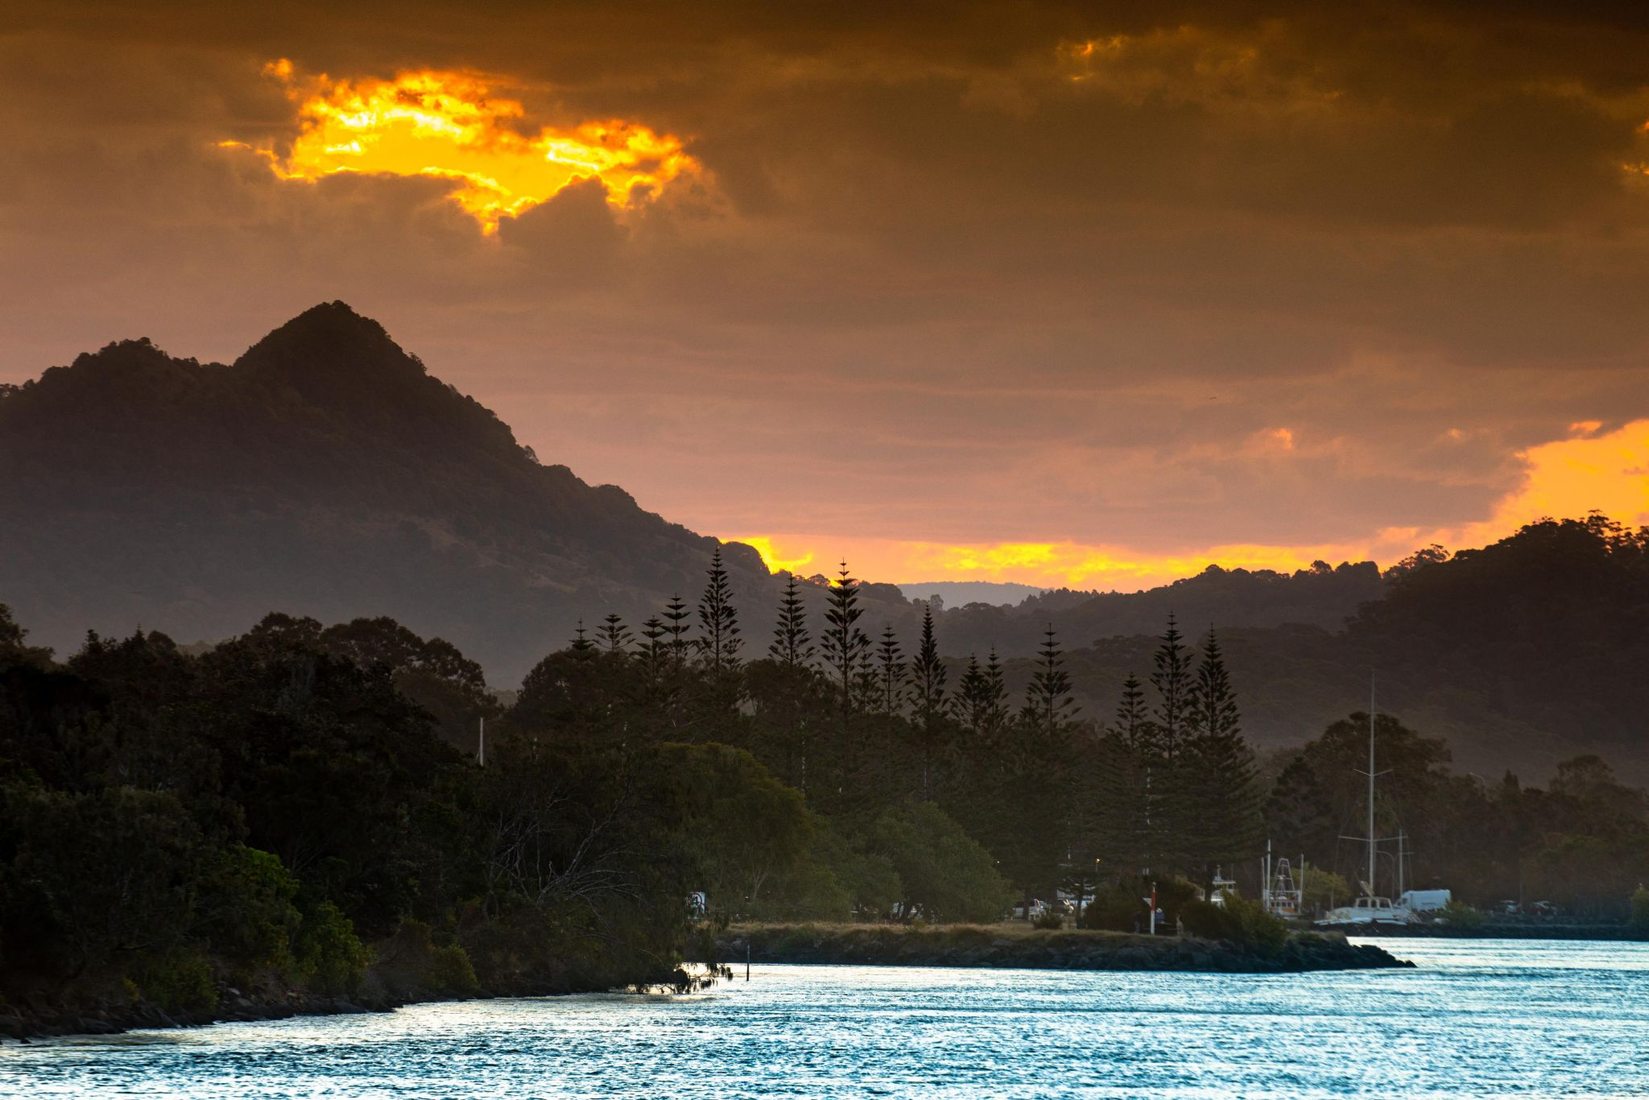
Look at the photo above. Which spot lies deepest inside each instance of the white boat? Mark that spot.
(1371, 910)
(1367, 911)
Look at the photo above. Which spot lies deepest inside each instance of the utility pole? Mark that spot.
(481, 743)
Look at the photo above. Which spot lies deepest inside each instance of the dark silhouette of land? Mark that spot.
(327, 473)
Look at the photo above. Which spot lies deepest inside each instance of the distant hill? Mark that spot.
(326, 473)
(960, 593)
(323, 473)
(1519, 654)
(1229, 598)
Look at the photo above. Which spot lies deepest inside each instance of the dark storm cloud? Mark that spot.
(1056, 270)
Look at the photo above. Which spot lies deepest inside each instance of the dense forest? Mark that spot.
(348, 810)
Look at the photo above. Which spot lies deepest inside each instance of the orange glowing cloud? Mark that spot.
(1591, 470)
(775, 559)
(1046, 564)
(449, 125)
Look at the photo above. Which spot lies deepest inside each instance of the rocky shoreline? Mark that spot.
(24, 1022)
(1067, 949)
(865, 945)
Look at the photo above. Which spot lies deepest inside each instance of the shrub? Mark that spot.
(1638, 921)
(330, 957)
(1239, 921)
(1048, 920)
(1457, 914)
(179, 982)
(1210, 922)
(450, 972)
(246, 909)
(1115, 908)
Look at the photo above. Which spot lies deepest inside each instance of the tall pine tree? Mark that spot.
(615, 636)
(845, 646)
(890, 674)
(1219, 774)
(1171, 676)
(846, 652)
(792, 645)
(1049, 706)
(1170, 806)
(929, 717)
(719, 639)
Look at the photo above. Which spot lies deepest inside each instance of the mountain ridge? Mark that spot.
(327, 473)
(303, 476)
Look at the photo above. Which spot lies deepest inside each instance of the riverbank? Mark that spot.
(1019, 946)
(112, 1016)
(1001, 946)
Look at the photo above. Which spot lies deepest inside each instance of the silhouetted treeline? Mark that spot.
(1164, 784)
(302, 807)
(285, 814)
(328, 474)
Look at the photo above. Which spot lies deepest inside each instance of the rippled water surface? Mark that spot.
(1476, 1018)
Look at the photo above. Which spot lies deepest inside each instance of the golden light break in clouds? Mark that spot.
(1592, 470)
(448, 125)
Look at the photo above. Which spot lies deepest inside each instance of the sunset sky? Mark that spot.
(1057, 293)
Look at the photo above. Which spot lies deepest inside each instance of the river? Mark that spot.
(1478, 1017)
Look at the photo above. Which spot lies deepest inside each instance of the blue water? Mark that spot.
(1478, 1018)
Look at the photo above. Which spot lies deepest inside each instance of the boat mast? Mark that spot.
(1370, 834)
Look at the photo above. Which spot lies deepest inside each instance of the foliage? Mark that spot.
(1124, 907)
(246, 910)
(1460, 915)
(1323, 890)
(944, 874)
(744, 826)
(300, 799)
(178, 981)
(330, 957)
(411, 964)
(1239, 921)
(1638, 921)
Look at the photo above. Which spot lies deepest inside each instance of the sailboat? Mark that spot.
(1370, 910)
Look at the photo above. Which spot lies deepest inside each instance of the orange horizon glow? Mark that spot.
(1591, 470)
(448, 125)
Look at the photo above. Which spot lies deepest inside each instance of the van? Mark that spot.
(1425, 901)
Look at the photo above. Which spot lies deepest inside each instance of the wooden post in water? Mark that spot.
(747, 958)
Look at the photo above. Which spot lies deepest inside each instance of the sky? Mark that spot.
(1055, 293)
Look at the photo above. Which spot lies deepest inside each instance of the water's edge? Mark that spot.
(1028, 949)
(970, 946)
(21, 1023)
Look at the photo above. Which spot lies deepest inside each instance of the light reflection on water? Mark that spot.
(1477, 1018)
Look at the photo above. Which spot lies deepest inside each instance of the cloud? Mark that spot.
(450, 125)
(1607, 472)
(922, 284)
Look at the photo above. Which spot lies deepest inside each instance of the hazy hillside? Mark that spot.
(1520, 654)
(961, 593)
(1323, 596)
(324, 473)
(327, 473)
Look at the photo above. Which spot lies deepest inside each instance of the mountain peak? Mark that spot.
(331, 353)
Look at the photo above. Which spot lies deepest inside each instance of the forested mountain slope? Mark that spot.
(325, 472)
